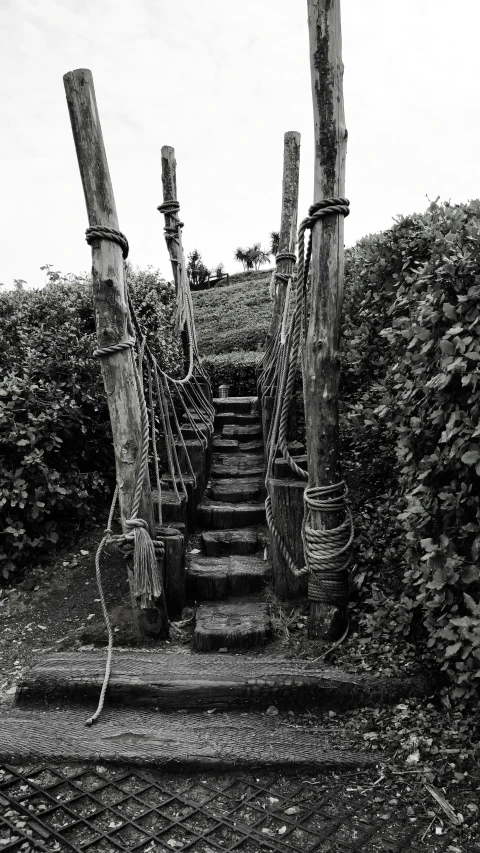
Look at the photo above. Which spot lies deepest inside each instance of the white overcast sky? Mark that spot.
(221, 81)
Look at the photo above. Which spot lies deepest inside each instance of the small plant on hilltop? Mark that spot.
(252, 258)
(197, 272)
(274, 242)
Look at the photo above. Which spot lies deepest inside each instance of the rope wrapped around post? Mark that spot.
(327, 552)
(280, 276)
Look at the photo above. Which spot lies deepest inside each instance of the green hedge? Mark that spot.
(236, 369)
(411, 380)
(56, 456)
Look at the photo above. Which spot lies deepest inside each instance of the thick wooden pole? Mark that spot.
(173, 237)
(327, 620)
(111, 314)
(288, 223)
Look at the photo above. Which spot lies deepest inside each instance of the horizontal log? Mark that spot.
(176, 680)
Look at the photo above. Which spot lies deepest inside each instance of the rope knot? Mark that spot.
(139, 523)
(326, 207)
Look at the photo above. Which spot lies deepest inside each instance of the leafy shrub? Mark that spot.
(56, 456)
(237, 369)
(411, 350)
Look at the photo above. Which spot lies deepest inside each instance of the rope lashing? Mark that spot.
(171, 208)
(102, 232)
(101, 352)
(328, 552)
(286, 256)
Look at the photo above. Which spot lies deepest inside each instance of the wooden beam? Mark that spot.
(112, 315)
(288, 223)
(327, 620)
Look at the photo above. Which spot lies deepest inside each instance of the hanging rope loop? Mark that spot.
(327, 207)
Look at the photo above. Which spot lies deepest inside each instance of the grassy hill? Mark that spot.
(231, 322)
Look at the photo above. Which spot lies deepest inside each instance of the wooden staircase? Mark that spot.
(226, 580)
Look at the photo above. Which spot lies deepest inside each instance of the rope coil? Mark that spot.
(286, 256)
(103, 232)
(327, 551)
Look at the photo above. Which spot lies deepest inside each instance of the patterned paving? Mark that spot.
(109, 808)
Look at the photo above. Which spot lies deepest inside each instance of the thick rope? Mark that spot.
(102, 232)
(327, 550)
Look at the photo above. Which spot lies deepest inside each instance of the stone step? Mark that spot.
(224, 418)
(225, 445)
(295, 448)
(237, 489)
(243, 405)
(213, 578)
(190, 432)
(241, 465)
(251, 432)
(225, 741)
(178, 680)
(282, 470)
(219, 543)
(217, 515)
(232, 624)
(173, 508)
(255, 446)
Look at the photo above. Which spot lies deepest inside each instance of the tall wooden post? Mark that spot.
(112, 317)
(327, 620)
(288, 224)
(173, 235)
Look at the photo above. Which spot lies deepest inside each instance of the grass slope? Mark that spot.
(232, 321)
(234, 317)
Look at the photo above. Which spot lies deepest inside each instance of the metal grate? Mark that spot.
(108, 808)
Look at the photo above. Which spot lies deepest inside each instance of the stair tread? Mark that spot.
(208, 503)
(240, 541)
(234, 430)
(229, 564)
(231, 624)
(224, 740)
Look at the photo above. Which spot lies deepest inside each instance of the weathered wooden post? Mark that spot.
(173, 234)
(329, 595)
(285, 258)
(173, 238)
(112, 320)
